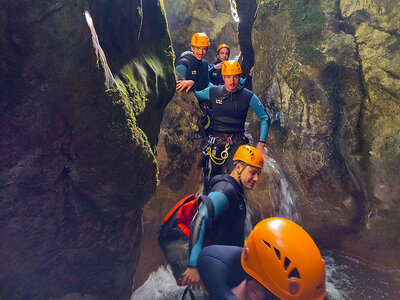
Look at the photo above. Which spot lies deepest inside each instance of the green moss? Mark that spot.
(307, 20)
(123, 98)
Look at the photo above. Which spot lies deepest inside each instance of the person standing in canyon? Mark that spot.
(223, 53)
(192, 66)
(222, 222)
(230, 103)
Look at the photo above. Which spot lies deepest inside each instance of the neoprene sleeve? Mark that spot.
(258, 108)
(198, 226)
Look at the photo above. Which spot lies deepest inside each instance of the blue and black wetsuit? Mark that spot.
(227, 225)
(220, 270)
(229, 112)
(215, 74)
(190, 68)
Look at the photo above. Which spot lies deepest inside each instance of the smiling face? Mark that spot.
(199, 52)
(223, 54)
(248, 175)
(231, 82)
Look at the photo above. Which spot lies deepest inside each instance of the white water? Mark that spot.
(346, 279)
(287, 207)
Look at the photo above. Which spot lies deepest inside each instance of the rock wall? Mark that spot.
(179, 157)
(83, 86)
(329, 73)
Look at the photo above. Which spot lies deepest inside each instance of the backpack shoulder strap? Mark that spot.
(210, 207)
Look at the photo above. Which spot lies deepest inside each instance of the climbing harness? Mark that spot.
(224, 154)
(205, 116)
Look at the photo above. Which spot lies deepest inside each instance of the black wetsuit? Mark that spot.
(229, 112)
(190, 68)
(215, 74)
(220, 270)
(227, 225)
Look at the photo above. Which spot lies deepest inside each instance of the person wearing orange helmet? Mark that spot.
(279, 261)
(192, 66)
(222, 222)
(230, 103)
(223, 52)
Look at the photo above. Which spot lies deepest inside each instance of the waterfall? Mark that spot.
(287, 207)
(234, 12)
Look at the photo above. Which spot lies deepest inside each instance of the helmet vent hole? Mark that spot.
(294, 273)
(268, 244)
(278, 254)
(286, 263)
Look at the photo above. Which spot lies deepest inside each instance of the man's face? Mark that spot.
(199, 52)
(231, 82)
(223, 54)
(249, 176)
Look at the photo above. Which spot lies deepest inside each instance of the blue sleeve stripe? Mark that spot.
(181, 70)
(258, 108)
(203, 95)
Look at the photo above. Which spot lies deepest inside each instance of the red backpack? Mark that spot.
(173, 236)
(183, 212)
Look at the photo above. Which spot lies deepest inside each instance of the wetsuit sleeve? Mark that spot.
(181, 70)
(259, 109)
(203, 95)
(198, 225)
(220, 270)
(208, 80)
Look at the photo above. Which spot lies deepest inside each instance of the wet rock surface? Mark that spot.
(76, 153)
(328, 72)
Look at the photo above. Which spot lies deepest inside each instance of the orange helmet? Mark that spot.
(223, 46)
(200, 39)
(285, 260)
(231, 67)
(249, 155)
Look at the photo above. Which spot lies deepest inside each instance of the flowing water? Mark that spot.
(347, 278)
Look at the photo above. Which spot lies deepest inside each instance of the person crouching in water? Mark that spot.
(230, 103)
(222, 222)
(279, 261)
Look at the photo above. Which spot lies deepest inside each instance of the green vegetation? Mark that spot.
(307, 21)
